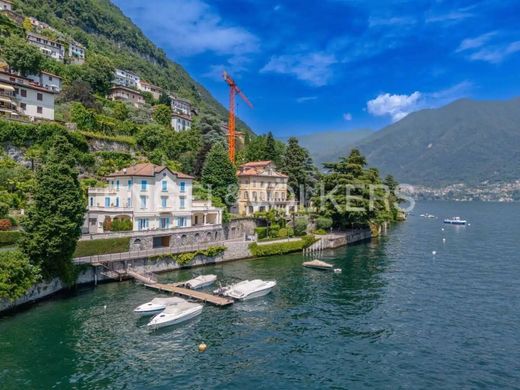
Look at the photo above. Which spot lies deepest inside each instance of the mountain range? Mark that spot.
(466, 141)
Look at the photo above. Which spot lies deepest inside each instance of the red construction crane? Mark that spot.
(233, 90)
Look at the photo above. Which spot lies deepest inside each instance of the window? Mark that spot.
(107, 201)
(91, 201)
(254, 195)
(164, 202)
(165, 223)
(182, 186)
(117, 202)
(142, 223)
(117, 185)
(129, 185)
(129, 202)
(143, 202)
(39, 110)
(23, 106)
(182, 201)
(181, 221)
(50, 78)
(39, 96)
(144, 185)
(23, 92)
(164, 186)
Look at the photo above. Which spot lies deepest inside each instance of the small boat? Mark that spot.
(318, 264)
(175, 314)
(156, 306)
(200, 281)
(455, 221)
(247, 289)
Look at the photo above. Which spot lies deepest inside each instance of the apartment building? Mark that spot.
(125, 94)
(181, 114)
(126, 78)
(76, 53)
(47, 46)
(145, 86)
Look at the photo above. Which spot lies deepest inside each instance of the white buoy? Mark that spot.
(469, 224)
(434, 253)
(442, 229)
(105, 308)
(202, 347)
(337, 270)
(443, 240)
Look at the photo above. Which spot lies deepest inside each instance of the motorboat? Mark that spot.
(247, 289)
(318, 264)
(200, 281)
(175, 314)
(455, 221)
(157, 305)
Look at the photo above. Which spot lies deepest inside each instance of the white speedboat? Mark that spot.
(200, 281)
(318, 264)
(175, 314)
(455, 221)
(157, 305)
(247, 289)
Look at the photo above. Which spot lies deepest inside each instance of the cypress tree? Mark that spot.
(53, 222)
(219, 174)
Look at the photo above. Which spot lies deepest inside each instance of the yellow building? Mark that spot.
(262, 188)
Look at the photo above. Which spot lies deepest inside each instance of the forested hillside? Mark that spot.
(105, 30)
(466, 141)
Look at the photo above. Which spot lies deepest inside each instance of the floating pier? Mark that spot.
(185, 292)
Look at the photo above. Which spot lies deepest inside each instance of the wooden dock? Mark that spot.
(185, 292)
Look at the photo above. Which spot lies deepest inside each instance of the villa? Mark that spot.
(181, 114)
(47, 46)
(76, 53)
(262, 188)
(145, 86)
(118, 92)
(152, 197)
(126, 78)
(24, 96)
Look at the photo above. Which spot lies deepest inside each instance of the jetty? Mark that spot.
(174, 288)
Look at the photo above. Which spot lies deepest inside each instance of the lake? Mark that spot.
(396, 317)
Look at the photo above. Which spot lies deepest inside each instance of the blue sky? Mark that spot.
(310, 66)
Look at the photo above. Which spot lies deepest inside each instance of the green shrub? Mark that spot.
(320, 232)
(17, 274)
(324, 223)
(286, 232)
(122, 225)
(102, 247)
(185, 258)
(280, 248)
(300, 226)
(261, 232)
(9, 238)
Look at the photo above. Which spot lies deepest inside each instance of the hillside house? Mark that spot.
(47, 46)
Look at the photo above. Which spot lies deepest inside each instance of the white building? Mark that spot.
(149, 87)
(125, 94)
(47, 80)
(76, 53)
(181, 114)
(153, 197)
(47, 46)
(32, 99)
(6, 5)
(126, 78)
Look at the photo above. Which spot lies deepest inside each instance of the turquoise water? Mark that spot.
(396, 317)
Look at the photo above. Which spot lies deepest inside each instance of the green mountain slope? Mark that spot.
(330, 145)
(465, 141)
(104, 29)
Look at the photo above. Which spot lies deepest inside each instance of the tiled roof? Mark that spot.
(147, 169)
(257, 168)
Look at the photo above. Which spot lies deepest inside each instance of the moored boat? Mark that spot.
(157, 305)
(201, 281)
(175, 314)
(318, 264)
(455, 221)
(247, 289)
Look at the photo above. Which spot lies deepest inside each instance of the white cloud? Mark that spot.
(473, 43)
(314, 68)
(398, 106)
(190, 27)
(496, 54)
(304, 99)
(347, 116)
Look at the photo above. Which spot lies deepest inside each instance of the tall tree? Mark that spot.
(162, 114)
(297, 164)
(21, 56)
(53, 222)
(219, 174)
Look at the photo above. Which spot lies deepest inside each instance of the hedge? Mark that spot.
(280, 248)
(9, 238)
(261, 232)
(102, 247)
(186, 257)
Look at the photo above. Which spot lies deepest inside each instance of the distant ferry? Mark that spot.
(455, 221)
